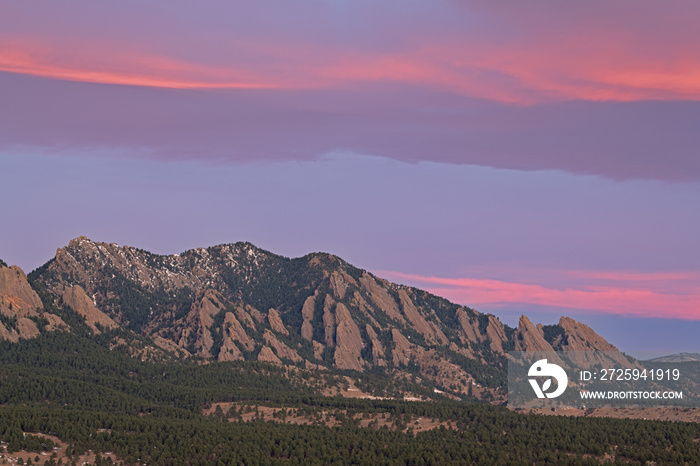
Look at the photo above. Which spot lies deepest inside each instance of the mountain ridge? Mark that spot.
(239, 302)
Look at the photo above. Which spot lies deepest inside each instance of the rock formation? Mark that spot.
(318, 311)
(75, 298)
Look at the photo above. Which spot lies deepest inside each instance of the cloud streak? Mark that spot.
(647, 140)
(680, 298)
(504, 55)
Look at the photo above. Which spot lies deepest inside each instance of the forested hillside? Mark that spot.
(88, 397)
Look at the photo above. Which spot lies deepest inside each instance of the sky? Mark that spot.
(535, 158)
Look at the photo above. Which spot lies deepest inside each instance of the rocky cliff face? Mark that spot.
(75, 298)
(22, 312)
(17, 298)
(236, 301)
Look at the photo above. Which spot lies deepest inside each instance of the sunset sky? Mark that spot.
(518, 157)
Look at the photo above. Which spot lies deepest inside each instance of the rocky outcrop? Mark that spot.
(378, 352)
(365, 308)
(82, 258)
(340, 281)
(432, 334)
(469, 327)
(267, 355)
(348, 341)
(529, 337)
(17, 298)
(496, 334)
(381, 298)
(244, 317)
(234, 332)
(229, 351)
(19, 302)
(283, 351)
(403, 350)
(198, 323)
(591, 348)
(470, 331)
(329, 321)
(307, 314)
(276, 322)
(26, 328)
(580, 337)
(75, 298)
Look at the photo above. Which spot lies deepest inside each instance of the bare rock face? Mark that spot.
(276, 322)
(267, 355)
(234, 332)
(496, 334)
(349, 342)
(530, 338)
(27, 328)
(229, 350)
(381, 298)
(244, 317)
(17, 298)
(339, 283)
(199, 321)
(432, 334)
(378, 352)
(307, 314)
(580, 337)
(329, 321)
(469, 329)
(283, 351)
(19, 302)
(365, 308)
(75, 298)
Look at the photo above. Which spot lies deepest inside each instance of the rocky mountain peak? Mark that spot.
(236, 301)
(530, 338)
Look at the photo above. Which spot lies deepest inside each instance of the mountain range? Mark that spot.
(239, 302)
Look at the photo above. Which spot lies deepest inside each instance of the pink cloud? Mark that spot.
(491, 75)
(633, 299)
(520, 58)
(27, 57)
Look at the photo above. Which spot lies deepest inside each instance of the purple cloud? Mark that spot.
(646, 140)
